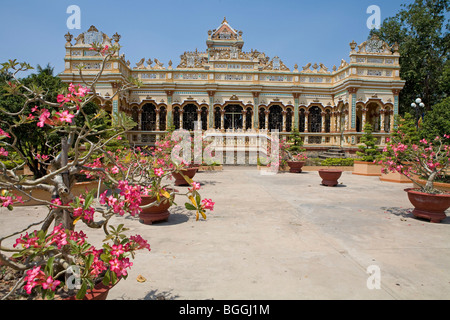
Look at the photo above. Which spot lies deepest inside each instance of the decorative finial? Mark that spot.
(116, 37)
(224, 20)
(68, 37)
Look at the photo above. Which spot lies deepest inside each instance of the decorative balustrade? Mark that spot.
(253, 138)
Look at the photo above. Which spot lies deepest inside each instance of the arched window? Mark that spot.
(135, 117)
(162, 118)
(189, 116)
(289, 120)
(262, 118)
(204, 118)
(148, 122)
(373, 116)
(315, 119)
(327, 121)
(176, 117)
(217, 118)
(275, 118)
(233, 118)
(301, 120)
(248, 121)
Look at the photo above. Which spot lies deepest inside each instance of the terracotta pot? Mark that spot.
(295, 166)
(429, 206)
(159, 212)
(99, 292)
(189, 172)
(330, 176)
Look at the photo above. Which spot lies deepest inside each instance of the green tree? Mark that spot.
(421, 30)
(437, 121)
(368, 150)
(33, 140)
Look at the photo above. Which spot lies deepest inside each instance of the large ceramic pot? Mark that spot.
(189, 172)
(428, 206)
(99, 292)
(159, 212)
(295, 166)
(330, 176)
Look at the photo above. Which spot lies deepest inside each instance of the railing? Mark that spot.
(250, 138)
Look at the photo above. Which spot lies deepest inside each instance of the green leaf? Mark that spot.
(189, 206)
(107, 278)
(82, 292)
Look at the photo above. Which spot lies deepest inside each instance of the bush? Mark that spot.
(368, 150)
(337, 162)
(437, 121)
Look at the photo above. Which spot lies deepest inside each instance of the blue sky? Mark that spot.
(297, 31)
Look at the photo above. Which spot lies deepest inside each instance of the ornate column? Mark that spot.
(222, 115)
(363, 120)
(338, 121)
(211, 109)
(395, 93)
(181, 118)
(244, 119)
(199, 119)
(382, 115)
(306, 121)
(255, 109)
(157, 118)
(352, 109)
(266, 120)
(333, 121)
(169, 119)
(284, 120)
(322, 121)
(296, 104)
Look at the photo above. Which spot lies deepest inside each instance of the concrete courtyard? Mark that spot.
(284, 237)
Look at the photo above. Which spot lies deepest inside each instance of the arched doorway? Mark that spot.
(301, 120)
(315, 119)
(204, 118)
(189, 116)
(373, 116)
(162, 118)
(148, 121)
(248, 120)
(176, 117)
(217, 118)
(262, 118)
(289, 119)
(233, 117)
(275, 118)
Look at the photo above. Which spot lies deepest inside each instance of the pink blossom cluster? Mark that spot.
(36, 277)
(129, 200)
(3, 152)
(74, 95)
(8, 199)
(4, 133)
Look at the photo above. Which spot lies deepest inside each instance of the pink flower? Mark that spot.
(115, 170)
(3, 152)
(50, 284)
(117, 250)
(43, 117)
(159, 171)
(208, 204)
(65, 116)
(3, 133)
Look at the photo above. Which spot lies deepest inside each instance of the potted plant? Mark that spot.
(50, 258)
(294, 152)
(367, 151)
(427, 160)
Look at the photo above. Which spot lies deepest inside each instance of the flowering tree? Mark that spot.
(46, 255)
(426, 159)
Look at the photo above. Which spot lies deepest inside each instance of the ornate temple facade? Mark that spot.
(228, 89)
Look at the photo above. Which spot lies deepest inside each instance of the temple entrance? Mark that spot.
(233, 117)
(275, 118)
(148, 122)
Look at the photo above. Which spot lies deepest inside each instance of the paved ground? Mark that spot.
(286, 237)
